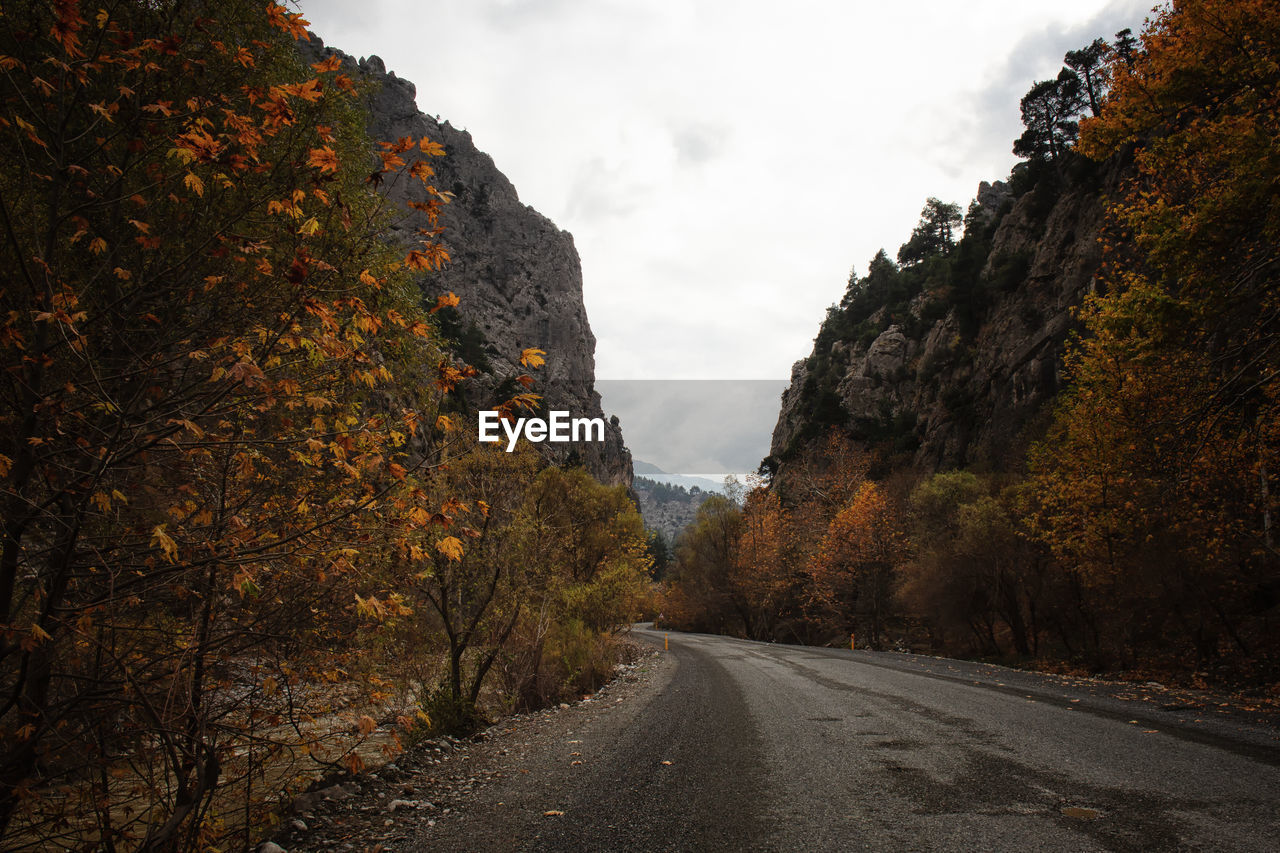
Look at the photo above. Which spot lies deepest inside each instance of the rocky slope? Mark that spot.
(669, 509)
(961, 375)
(518, 275)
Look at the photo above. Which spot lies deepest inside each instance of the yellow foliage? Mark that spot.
(451, 547)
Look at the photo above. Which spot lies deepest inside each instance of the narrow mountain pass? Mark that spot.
(736, 745)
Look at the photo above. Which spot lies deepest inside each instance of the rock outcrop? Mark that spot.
(942, 389)
(517, 274)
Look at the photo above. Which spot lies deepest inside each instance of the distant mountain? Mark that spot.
(653, 472)
(667, 507)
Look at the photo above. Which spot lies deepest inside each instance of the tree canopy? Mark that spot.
(222, 459)
(934, 234)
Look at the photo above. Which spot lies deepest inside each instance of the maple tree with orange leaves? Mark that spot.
(227, 481)
(201, 333)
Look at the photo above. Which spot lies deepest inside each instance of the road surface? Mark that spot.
(751, 746)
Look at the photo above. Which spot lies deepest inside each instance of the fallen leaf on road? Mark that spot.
(1080, 813)
(552, 813)
(666, 762)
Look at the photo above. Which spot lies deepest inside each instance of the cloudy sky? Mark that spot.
(722, 164)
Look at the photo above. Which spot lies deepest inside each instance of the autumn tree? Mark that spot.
(780, 589)
(200, 332)
(825, 475)
(467, 573)
(583, 546)
(855, 564)
(701, 591)
(524, 574)
(585, 532)
(1157, 477)
(975, 571)
(766, 575)
(805, 557)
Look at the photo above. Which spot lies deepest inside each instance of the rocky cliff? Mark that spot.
(518, 275)
(950, 363)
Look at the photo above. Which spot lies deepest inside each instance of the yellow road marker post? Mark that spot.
(666, 644)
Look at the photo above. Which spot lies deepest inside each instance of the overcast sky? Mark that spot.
(722, 164)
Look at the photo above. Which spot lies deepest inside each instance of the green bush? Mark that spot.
(449, 715)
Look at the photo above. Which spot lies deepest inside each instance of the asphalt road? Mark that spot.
(750, 746)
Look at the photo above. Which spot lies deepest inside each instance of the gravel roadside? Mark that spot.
(419, 801)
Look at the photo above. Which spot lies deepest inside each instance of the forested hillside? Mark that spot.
(667, 507)
(248, 536)
(1048, 429)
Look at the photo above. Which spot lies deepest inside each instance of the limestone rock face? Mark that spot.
(877, 382)
(887, 354)
(972, 397)
(991, 197)
(517, 274)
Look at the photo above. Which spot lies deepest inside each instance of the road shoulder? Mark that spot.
(445, 793)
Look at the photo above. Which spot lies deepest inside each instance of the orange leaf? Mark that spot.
(325, 159)
(416, 260)
(449, 300)
(422, 171)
